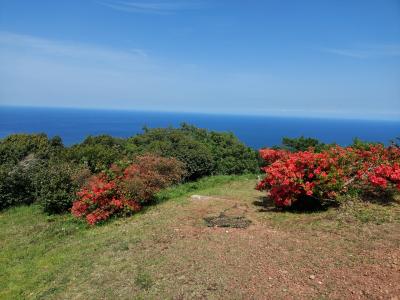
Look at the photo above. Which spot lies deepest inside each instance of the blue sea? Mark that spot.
(73, 125)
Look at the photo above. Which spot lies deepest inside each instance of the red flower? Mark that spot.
(327, 174)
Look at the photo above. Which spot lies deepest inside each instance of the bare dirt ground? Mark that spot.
(350, 253)
(288, 262)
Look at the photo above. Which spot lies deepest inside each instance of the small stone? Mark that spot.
(319, 282)
(200, 197)
(269, 278)
(312, 277)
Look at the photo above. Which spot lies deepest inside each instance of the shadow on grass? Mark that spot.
(311, 205)
(379, 196)
(302, 205)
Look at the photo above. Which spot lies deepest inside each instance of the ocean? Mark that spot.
(73, 125)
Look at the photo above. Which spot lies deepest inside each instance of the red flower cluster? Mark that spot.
(323, 175)
(384, 175)
(100, 199)
(122, 191)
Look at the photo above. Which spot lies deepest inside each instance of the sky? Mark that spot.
(319, 58)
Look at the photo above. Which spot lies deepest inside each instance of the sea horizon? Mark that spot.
(279, 114)
(74, 124)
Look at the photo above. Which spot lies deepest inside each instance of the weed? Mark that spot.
(143, 279)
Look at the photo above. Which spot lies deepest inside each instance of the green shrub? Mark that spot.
(17, 182)
(302, 144)
(203, 152)
(97, 152)
(229, 154)
(169, 142)
(56, 186)
(197, 158)
(362, 145)
(16, 147)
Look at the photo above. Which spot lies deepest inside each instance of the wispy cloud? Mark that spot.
(152, 7)
(68, 49)
(42, 71)
(367, 51)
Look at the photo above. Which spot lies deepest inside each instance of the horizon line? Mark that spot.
(278, 114)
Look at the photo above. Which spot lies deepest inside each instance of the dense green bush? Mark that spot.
(17, 182)
(230, 155)
(203, 152)
(56, 185)
(302, 144)
(97, 152)
(170, 142)
(22, 156)
(13, 190)
(16, 147)
(197, 157)
(363, 145)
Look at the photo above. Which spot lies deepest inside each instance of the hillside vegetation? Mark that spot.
(178, 213)
(36, 169)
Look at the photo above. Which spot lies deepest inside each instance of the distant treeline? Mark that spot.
(35, 168)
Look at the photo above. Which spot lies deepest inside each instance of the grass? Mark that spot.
(143, 279)
(207, 184)
(168, 251)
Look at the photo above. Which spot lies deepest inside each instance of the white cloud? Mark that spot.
(367, 51)
(68, 49)
(39, 71)
(152, 7)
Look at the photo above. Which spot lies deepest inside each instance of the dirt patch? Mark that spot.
(223, 220)
(282, 255)
(232, 213)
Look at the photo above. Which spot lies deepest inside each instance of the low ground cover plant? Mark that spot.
(123, 191)
(310, 175)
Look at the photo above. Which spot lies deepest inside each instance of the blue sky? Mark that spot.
(281, 57)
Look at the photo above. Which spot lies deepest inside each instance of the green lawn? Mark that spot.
(166, 251)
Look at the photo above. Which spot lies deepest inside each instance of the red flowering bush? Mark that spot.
(100, 199)
(149, 175)
(123, 191)
(327, 174)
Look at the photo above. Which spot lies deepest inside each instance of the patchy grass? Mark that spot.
(205, 185)
(168, 251)
(143, 279)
